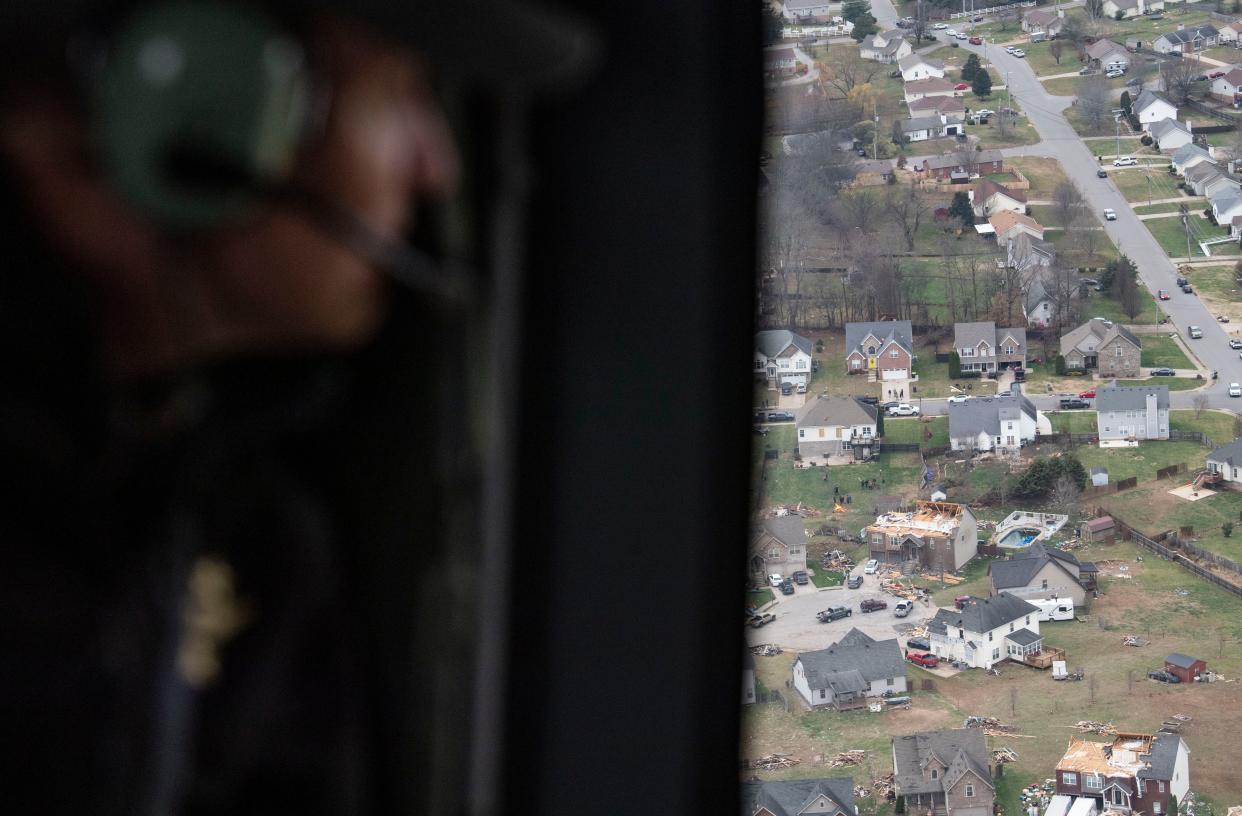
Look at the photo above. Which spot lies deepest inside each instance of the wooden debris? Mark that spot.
(952, 580)
(1134, 640)
(1103, 729)
(884, 787)
(846, 758)
(987, 722)
(1004, 755)
(766, 650)
(775, 762)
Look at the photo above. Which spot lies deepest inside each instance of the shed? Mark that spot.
(1099, 476)
(1186, 668)
(1098, 529)
(938, 494)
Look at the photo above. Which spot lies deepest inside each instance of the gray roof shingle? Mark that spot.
(910, 751)
(1146, 99)
(985, 614)
(775, 342)
(789, 529)
(789, 797)
(877, 660)
(883, 330)
(1189, 151)
(835, 409)
(1186, 35)
(985, 414)
(1130, 398)
(1180, 660)
(1163, 757)
(1229, 454)
(1023, 637)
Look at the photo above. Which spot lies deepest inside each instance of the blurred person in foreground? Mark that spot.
(227, 450)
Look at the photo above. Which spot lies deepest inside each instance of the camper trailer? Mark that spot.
(1055, 608)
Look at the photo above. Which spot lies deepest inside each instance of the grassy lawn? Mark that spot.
(1138, 184)
(1216, 424)
(1171, 236)
(1043, 379)
(1173, 383)
(1072, 421)
(1152, 509)
(758, 597)
(1159, 350)
(1068, 86)
(1042, 63)
(910, 431)
(1147, 29)
(1171, 207)
(1083, 128)
(1102, 305)
(1219, 292)
(1069, 248)
(823, 578)
(1043, 174)
(1143, 461)
(1226, 54)
(1021, 132)
(1129, 146)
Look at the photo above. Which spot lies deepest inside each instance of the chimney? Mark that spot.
(1061, 13)
(1181, 26)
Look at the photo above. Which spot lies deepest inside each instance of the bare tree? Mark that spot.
(1067, 205)
(1094, 9)
(1089, 235)
(1200, 403)
(1095, 102)
(1004, 124)
(1131, 301)
(1073, 31)
(919, 27)
(1179, 80)
(1065, 494)
(907, 210)
(1005, 15)
(1055, 48)
(1062, 286)
(845, 71)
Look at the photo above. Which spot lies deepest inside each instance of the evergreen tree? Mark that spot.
(955, 365)
(853, 10)
(1058, 365)
(773, 25)
(1172, 806)
(982, 84)
(863, 27)
(971, 68)
(1071, 467)
(961, 209)
(879, 422)
(1125, 102)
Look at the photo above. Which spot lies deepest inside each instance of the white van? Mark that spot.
(1055, 609)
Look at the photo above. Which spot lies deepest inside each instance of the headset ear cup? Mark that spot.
(198, 105)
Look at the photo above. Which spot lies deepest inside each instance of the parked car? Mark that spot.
(1110, 215)
(1101, 173)
(1216, 74)
(1162, 294)
(1019, 53)
(854, 582)
(961, 86)
(1188, 289)
(800, 388)
(1070, 403)
(961, 35)
(903, 608)
(780, 416)
(872, 605)
(1235, 390)
(776, 579)
(1124, 161)
(872, 566)
(869, 400)
(976, 41)
(1163, 676)
(925, 659)
(787, 587)
(787, 389)
(759, 621)
(888, 406)
(833, 613)
(958, 398)
(800, 577)
(952, 32)
(1222, 318)
(1163, 372)
(939, 27)
(1235, 343)
(921, 643)
(1083, 71)
(1113, 74)
(904, 409)
(1010, 49)
(1195, 332)
(1088, 394)
(1181, 280)
(985, 112)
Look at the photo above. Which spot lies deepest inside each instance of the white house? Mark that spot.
(1226, 205)
(782, 356)
(1200, 175)
(922, 128)
(1227, 461)
(917, 66)
(1170, 134)
(1037, 305)
(849, 671)
(1229, 86)
(989, 198)
(1043, 22)
(1220, 185)
(886, 47)
(932, 86)
(806, 10)
(1188, 156)
(1186, 40)
(1229, 33)
(1151, 107)
(1005, 422)
(986, 631)
(831, 427)
(1131, 8)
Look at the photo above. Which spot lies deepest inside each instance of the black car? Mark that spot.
(1073, 402)
(787, 587)
(919, 643)
(1101, 173)
(834, 613)
(869, 400)
(800, 577)
(873, 605)
(854, 582)
(780, 416)
(1181, 280)
(1187, 288)
(888, 406)
(787, 389)
(861, 152)
(1163, 676)
(1162, 372)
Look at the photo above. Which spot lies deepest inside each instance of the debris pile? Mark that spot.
(774, 762)
(846, 758)
(798, 509)
(766, 650)
(884, 787)
(987, 722)
(1004, 755)
(901, 589)
(1094, 727)
(1134, 640)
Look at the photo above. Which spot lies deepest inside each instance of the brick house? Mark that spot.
(982, 163)
(944, 772)
(885, 346)
(795, 797)
(935, 535)
(777, 545)
(1135, 773)
(983, 347)
(1101, 344)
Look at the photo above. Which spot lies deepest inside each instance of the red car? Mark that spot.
(1163, 295)
(1216, 74)
(1087, 394)
(926, 659)
(961, 86)
(975, 41)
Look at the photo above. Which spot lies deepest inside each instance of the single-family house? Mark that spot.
(983, 347)
(1108, 53)
(884, 346)
(1228, 86)
(777, 547)
(1187, 156)
(1104, 345)
(1008, 225)
(782, 356)
(1043, 21)
(836, 429)
(944, 772)
(1226, 205)
(930, 105)
(1130, 8)
(1028, 254)
(935, 126)
(1151, 107)
(1132, 413)
(1037, 304)
(798, 797)
(872, 172)
(986, 631)
(886, 47)
(849, 671)
(981, 163)
(917, 66)
(932, 86)
(1004, 422)
(1039, 573)
(806, 11)
(1185, 668)
(1186, 40)
(1229, 33)
(1170, 134)
(1220, 185)
(748, 677)
(935, 535)
(990, 197)
(1133, 773)
(780, 62)
(1227, 462)
(1197, 177)
(1235, 227)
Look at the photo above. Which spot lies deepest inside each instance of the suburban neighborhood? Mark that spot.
(997, 412)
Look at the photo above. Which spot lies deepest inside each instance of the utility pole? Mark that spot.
(875, 138)
(1008, 93)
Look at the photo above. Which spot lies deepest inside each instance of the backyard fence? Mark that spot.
(990, 9)
(898, 447)
(1204, 555)
(1128, 533)
(1193, 436)
(1170, 471)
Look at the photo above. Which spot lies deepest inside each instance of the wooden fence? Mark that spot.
(1155, 545)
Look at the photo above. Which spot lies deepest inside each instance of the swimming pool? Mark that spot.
(1017, 538)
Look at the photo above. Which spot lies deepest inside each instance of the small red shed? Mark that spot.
(1186, 668)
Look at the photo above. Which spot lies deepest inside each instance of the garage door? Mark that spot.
(895, 374)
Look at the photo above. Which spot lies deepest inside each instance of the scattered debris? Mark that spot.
(987, 722)
(766, 650)
(775, 762)
(1181, 718)
(1004, 755)
(1134, 640)
(845, 758)
(1182, 592)
(884, 787)
(1103, 729)
(798, 509)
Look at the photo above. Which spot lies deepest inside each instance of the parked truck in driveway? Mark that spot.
(833, 613)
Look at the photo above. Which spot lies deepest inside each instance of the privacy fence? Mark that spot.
(1169, 546)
